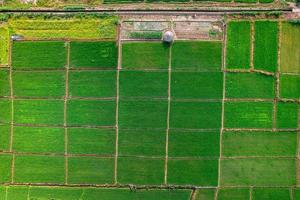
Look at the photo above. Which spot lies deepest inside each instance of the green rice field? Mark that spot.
(106, 119)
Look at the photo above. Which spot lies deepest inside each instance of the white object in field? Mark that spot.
(168, 36)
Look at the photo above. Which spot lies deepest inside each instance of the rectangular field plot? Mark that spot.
(258, 172)
(92, 83)
(205, 194)
(17, 192)
(271, 194)
(195, 115)
(38, 140)
(204, 85)
(289, 86)
(259, 143)
(287, 115)
(249, 85)
(142, 142)
(5, 168)
(4, 83)
(43, 112)
(39, 84)
(141, 171)
(145, 55)
(5, 111)
(91, 112)
(248, 115)
(102, 54)
(39, 54)
(4, 137)
(265, 45)
(203, 172)
(238, 45)
(143, 84)
(290, 50)
(236, 193)
(90, 170)
(91, 141)
(200, 56)
(39, 169)
(194, 144)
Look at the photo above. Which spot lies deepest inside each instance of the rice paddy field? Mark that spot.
(89, 119)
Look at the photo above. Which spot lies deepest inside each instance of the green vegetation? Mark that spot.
(271, 194)
(5, 111)
(205, 194)
(236, 193)
(102, 54)
(245, 1)
(290, 86)
(122, 1)
(265, 45)
(4, 45)
(17, 193)
(238, 45)
(202, 56)
(249, 85)
(4, 137)
(146, 35)
(287, 115)
(145, 55)
(4, 83)
(5, 168)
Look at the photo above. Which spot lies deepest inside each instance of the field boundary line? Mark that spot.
(251, 193)
(6, 192)
(291, 191)
(28, 192)
(193, 194)
(216, 194)
(252, 39)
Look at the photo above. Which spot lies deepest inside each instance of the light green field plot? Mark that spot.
(4, 83)
(207, 85)
(39, 169)
(248, 115)
(46, 54)
(145, 55)
(234, 194)
(143, 84)
(195, 115)
(143, 171)
(91, 141)
(92, 83)
(194, 144)
(205, 194)
(2, 193)
(102, 54)
(44, 112)
(202, 56)
(46, 140)
(249, 85)
(142, 143)
(254, 143)
(92, 112)
(238, 45)
(17, 193)
(4, 137)
(5, 168)
(5, 111)
(287, 115)
(39, 84)
(265, 45)
(143, 114)
(203, 172)
(56, 193)
(258, 172)
(4, 44)
(271, 194)
(290, 86)
(290, 49)
(91, 170)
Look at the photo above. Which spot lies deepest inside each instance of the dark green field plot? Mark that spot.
(258, 172)
(259, 143)
(245, 1)
(4, 137)
(39, 84)
(238, 45)
(142, 143)
(143, 84)
(248, 115)
(145, 55)
(208, 85)
(194, 144)
(91, 141)
(5, 168)
(195, 115)
(122, 1)
(290, 86)
(39, 54)
(5, 111)
(265, 45)
(4, 83)
(249, 85)
(39, 169)
(92, 112)
(202, 172)
(271, 194)
(287, 115)
(202, 56)
(91, 170)
(205, 194)
(92, 83)
(143, 114)
(46, 140)
(44, 112)
(102, 54)
(141, 171)
(175, 1)
(236, 194)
